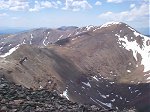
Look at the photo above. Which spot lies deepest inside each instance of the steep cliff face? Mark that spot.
(103, 65)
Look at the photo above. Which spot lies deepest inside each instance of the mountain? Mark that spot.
(106, 65)
(40, 37)
(64, 28)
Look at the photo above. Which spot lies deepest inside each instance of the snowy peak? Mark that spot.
(110, 24)
(89, 27)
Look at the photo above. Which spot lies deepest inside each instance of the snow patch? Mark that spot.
(89, 27)
(139, 94)
(44, 41)
(117, 96)
(139, 82)
(109, 24)
(60, 37)
(49, 81)
(94, 30)
(77, 33)
(144, 51)
(111, 72)
(128, 71)
(74, 38)
(1, 48)
(87, 84)
(111, 82)
(148, 78)
(41, 87)
(107, 95)
(129, 63)
(147, 74)
(65, 94)
(10, 51)
(113, 100)
(148, 81)
(106, 104)
(95, 77)
(83, 87)
(107, 86)
(117, 35)
(121, 98)
(136, 91)
(95, 101)
(103, 96)
(31, 36)
(23, 41)
(69, 35)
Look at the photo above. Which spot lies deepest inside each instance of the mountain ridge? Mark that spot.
(87, 66)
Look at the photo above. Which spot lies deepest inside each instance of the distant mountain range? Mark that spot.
(13, 30)
(106, 65)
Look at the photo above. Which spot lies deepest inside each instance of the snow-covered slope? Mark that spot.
(133, 46)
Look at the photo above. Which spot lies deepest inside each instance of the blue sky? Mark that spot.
(56, 13)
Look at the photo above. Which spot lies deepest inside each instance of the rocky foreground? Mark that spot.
(15, 98)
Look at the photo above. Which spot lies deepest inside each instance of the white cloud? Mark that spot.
(15, 5)
(120, 1)
(76, 5)
(14, 18)
(3, 14)
(59, 2)
(3, 5)
(37, 7)
(98, 3)
(44, 4)
(130, 15)
(132, 5)
(22, 5)
(115, 1)
(136, 14)
(18, 8)
(48, 4)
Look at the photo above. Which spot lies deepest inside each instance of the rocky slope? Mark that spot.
(15, 98)
(105, 65)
